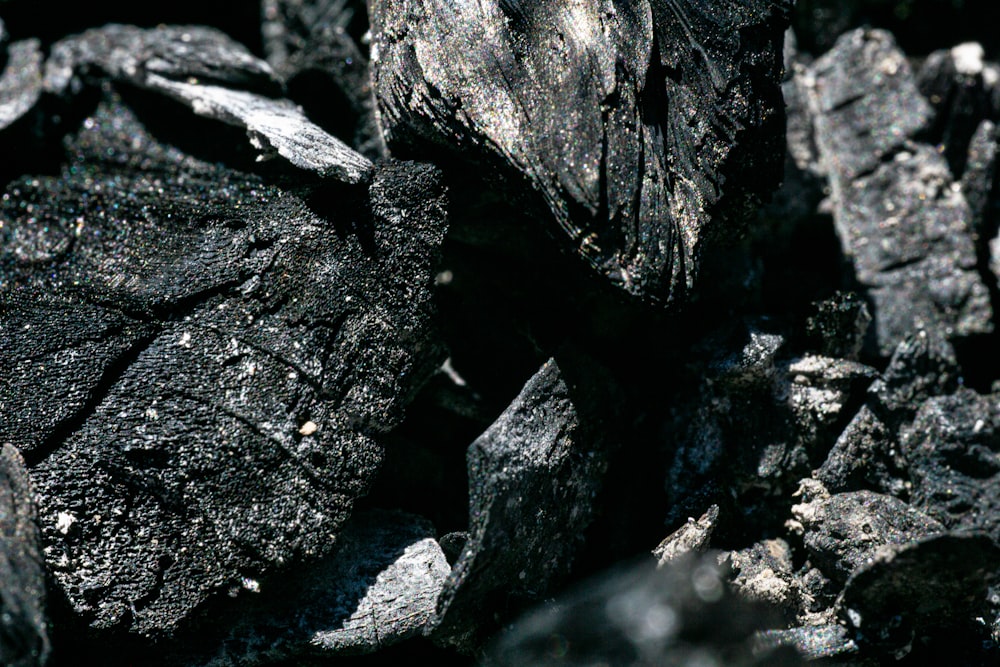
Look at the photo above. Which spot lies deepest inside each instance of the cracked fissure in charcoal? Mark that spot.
(646, 126)
(197, 363)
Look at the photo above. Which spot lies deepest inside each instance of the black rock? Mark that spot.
(198, 362)
(647, 127)
(533, 478)
(24, 638)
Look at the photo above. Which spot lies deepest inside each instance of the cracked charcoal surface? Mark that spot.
(643, 615)
(901, 219)
(646, 127)
(377, 588)
(225, 357)
(533, 478)
(24, 638)
(208, 72)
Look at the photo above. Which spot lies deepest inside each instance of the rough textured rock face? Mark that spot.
(641, 124)
(208, 363)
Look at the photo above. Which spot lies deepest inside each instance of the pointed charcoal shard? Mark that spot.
(646, 126)
(210, 73)
(197, 363)
(23, 636)
(377, 588)
(533, 476)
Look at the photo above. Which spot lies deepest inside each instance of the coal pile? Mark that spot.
(632, 332)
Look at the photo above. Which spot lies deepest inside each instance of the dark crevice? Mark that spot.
(113, 372)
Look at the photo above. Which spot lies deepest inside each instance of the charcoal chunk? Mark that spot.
(930, 587)
(839, 325)
(24, 639)
(757, 420)
(210, 73)
(227, 357)
(20, 80)
(681, 614)
(377, 588)
(867, 455)
(533, 476)
(842, 532)
(646, 127)
(953, 451)
(901, 219)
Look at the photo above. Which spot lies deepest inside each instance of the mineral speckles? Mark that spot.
(640, 124)
(202, 320)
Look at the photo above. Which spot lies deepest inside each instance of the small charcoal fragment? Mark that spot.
(533, 477)
(839, 325)
(210, 73)
(953, 452)
(680, 615)
(692, 536)
(20, 80)
(920, 591)
(23, 636)
(842, 532)
(378, 587)
(647, 127)
(867, 453)
(198, 363)
(757, 420)
(815, 642)
(763, 573)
